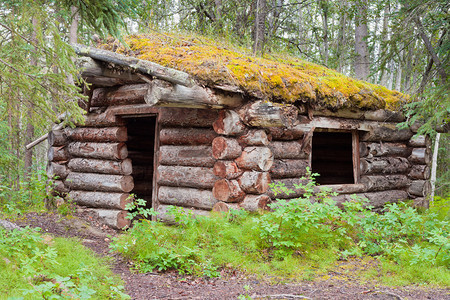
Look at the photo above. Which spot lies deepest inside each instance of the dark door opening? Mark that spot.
(141, 151)
(332, 157)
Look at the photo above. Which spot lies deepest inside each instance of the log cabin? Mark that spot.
(187, 122)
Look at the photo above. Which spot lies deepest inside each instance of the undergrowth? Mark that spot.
(36, 266)
(300, 238)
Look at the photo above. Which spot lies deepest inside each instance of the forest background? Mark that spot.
(401, 44)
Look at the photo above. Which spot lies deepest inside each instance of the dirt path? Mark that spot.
(231, 285)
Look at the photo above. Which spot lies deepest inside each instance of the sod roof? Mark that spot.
(278, 78)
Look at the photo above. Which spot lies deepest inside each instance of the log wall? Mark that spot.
(218, 160)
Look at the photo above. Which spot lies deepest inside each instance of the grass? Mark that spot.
(35, 266)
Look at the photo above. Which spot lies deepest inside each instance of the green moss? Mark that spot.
(277, 78)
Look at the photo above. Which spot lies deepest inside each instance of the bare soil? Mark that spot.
(170, 285)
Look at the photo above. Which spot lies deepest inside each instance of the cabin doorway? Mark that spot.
(141, 150)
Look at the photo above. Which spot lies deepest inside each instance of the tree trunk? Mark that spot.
(194, 156)
(187, 197)
(107, 134)
(255, 158)
(85, 165)
(100, 199)
(227, 169)
(228, 191)
(361, 34)
(283, 168)
(254, 182)
(186, 136)
(260, 27)
(194, 177)
(112, 151)
(434, 166)
(224, 148)
(99, 182)
(228, 123)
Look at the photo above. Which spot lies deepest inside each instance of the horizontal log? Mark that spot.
(187, 117)
(228, 191)
(287, 150)
(164, 216)
(125, 94)
(420, 141)
(227, 169)
(87, 165)
(107, 134)
(143, 66)
(420, 188)
(225, 207)
(57, 138)
(295, 132)
(100, 199)
(381, 115)
(283, 168)
(58, 154)
(384, 115)
(99, 182)
(114, 218)
(384, 149)
(255, 202)
(384, 182)
(225, 148)
(59, 187)
(194, 177)
(268, 114)
(57, 171)
(420, 172)
(342, 188)
(112, 151)
(187, 197)
(102, 118)
(100, 81)
(254, 182)
(422, 202)
(255, 158)
(228, 123)
(254, 138)
(289, 183)
(163, 93)
(387, 134)
(420, 156)
(194, 156)
(376, 199)
(186, 136)
(384, 165)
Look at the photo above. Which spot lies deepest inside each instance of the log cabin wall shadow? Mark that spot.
(174, 139)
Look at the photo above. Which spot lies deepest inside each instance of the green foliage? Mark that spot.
(35, 266)
(302, 237)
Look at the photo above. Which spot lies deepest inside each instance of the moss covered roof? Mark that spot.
(279, 79)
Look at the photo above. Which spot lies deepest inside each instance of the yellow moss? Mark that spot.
(277, 78)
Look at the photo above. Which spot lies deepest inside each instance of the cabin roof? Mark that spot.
(276, 78)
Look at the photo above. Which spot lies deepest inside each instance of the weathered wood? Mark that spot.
(384, 115)
(100, 199)
(420, 141)
(99, 182)
(287, 134)
(225, 207)
(420, 172)
(57, 154)
(122, 95)
(59, 187)
(255, 158)
(187, 117)
(99, 81)
(254, 182)
(376, 199)
(164, 216)
(113, 217)
(186, 136)
(194, 156)
(422, 202)
(112, 151)
(268, 114)
(384, 149)
(289, 184)
(133, 110)
(86, 165)
(420, 156)
(356, 157)
(381, 115)
(91, 68)
(107, 134)
(57, 171)
(227, 169)
(194, 177)
(342, 188)
(225, 148)
(163, 93)
(102, 119)
(419, 188)
(144, 66)
(384, 182)
(254, 138)
(57, 138)
(283, 168)
(387, 134)
(287, 150)
(228, 191)
(188, 197)
(384, 165)
(228, 123)
(255, 202)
